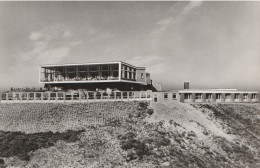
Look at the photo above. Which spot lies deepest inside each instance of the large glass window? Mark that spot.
(105, 73)
(93, 71)
(71, 72)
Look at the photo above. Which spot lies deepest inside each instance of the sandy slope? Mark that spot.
(124, 134)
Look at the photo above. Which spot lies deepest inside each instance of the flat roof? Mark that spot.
(89, 63)
(215, 91)
(76, 64)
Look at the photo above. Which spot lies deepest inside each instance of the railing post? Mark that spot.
(127, 93)
(94, 96)
(121, 95)
(20, 97)
(27, 96)
(115, 96)
(140, 95)
(64, 97)
(72, 97)
(101, 96)
(80, 97)
(49, 96)
(41, 97)
(87, 96)
(34, 96)
(56, 97)
(6, 96)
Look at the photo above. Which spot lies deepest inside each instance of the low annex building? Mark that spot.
(187, 95)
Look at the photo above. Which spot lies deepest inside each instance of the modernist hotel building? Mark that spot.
(91, 76)
(124, 81)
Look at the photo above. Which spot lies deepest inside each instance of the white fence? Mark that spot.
(59, 97)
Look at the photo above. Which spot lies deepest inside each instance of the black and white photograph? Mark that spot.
(129, 84)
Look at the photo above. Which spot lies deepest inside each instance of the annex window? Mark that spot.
(198, 96)
(253, 96)
(228, 96)
(245, 96)
(174, 96)
(236, 96)
(208, 96)
(218, 96)
(187, 96)
(165, 95)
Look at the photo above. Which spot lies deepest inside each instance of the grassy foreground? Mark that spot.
(130, 134)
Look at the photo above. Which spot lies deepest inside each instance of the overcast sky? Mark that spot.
(209, 44)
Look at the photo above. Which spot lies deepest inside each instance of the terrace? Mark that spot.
(56, 74)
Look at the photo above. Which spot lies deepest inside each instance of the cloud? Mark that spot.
(192, 5)
(35, 35)
(101, 37)
(53, 55)
(51, 39)
(168, 21)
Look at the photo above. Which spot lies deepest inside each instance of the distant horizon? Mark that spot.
(210, 44)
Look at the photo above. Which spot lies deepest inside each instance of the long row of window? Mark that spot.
(104, 72)
(218, 96)
(166, 96)
(128, 72)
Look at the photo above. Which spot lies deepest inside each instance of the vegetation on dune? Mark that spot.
(119, 134)
(21, 144)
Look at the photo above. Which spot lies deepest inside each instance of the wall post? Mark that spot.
(223, 97)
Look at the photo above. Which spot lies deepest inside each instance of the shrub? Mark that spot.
(20, 144)
(150, 111)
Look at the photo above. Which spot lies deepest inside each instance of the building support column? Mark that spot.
(203, 97)
(193, 97)
(232, 97)
(214, 97)
(182, 97)
(223, 97)
(241, 97)
(249, 97)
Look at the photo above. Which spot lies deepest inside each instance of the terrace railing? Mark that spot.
(59, 97)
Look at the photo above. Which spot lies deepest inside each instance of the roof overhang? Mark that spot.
(91, 63)
(99, 81)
